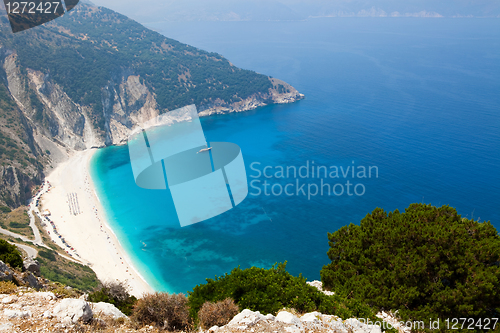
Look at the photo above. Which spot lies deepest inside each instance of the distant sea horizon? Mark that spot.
(415, 100)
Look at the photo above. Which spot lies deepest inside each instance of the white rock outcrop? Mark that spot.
(285, 321)
(355, 326)
(288, 318)
(106, 309)
(9, 299)
(6, 273)
(74, 310)
(11, 314)
(319, 285)
(311, 318)
(246, 318)
(45, 295)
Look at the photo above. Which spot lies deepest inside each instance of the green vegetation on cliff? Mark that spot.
(16, 221)
(85, 50)
(66, 78)
(16, 151)
(10, 254)
(58, 269)
(270, 290)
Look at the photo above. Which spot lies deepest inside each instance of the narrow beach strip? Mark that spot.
(79, 218)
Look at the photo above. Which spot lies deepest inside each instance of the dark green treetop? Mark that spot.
(427, 262)
(9, 254)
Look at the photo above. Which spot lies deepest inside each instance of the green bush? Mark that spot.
(166, 311)
(258, 289)
(47, 254)
(427, 262)
(9, 254)
(18, 225)
(5, 209)
(270, 290)
(114, 293)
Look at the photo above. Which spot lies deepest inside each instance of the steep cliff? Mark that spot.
(86, 79)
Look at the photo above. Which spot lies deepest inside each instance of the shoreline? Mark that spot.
(79, 217)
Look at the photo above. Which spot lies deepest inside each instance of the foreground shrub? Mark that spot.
(116, 294)
(9, 254)
(169, 312)
(219, 313)
(7, 287)
(258, 289)
(427, 262)
(270, 290)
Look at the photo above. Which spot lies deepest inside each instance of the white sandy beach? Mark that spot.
(87, 232)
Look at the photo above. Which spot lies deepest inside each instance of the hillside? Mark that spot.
(86, 79)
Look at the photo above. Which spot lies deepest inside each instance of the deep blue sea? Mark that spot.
(418, 100)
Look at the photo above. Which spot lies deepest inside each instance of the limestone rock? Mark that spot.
(5, 327)
(107, 310)
(74, 309)
(288, 318)
(11, 314)
(45, 295)
(9, 300)
(394, 321)
(293, 329)
(355, 326)
(246, 318)
(31, 266)
(47, 314)
(319, 285)
(311, 318)
(6, 273)
(32, 281)
(269, 317)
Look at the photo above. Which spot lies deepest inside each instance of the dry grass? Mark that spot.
(7, 287)
(17, 221)
(217, 314)
(63, 291)
(162, 310)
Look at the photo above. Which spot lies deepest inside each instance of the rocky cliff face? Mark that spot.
(126, 103)
(79, 83)
(280, 93)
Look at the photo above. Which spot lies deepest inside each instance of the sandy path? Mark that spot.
(77, 215)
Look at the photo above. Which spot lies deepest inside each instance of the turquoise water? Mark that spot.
(415, 99)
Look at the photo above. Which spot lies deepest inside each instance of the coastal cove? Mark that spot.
(423, 112)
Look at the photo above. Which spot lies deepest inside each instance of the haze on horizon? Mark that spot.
(277, 10)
